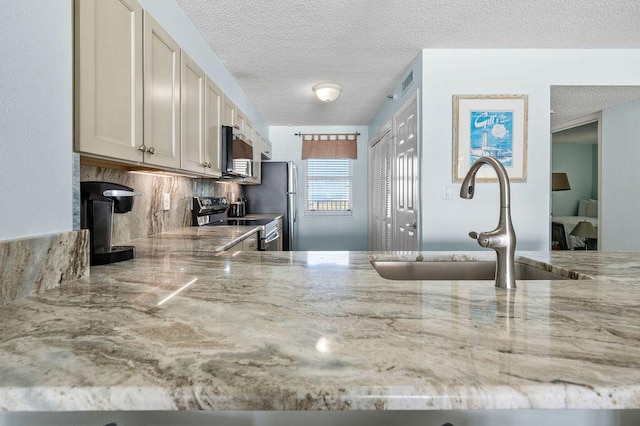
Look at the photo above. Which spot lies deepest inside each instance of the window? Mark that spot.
(329, 187)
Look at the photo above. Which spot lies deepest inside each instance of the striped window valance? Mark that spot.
(329, 146)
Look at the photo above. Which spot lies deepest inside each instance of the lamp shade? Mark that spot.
(560, 182)
(584, 229)
(327, 92)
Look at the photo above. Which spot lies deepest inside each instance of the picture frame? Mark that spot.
(490, 125)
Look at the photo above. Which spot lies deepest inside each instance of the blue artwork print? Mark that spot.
(492, 136)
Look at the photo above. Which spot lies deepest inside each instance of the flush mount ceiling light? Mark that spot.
(327, 92)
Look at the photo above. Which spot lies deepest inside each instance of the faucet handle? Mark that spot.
(483, 239)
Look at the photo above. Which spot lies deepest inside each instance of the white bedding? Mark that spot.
(570, 222)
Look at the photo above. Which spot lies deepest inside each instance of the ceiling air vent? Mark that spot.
(407, 82)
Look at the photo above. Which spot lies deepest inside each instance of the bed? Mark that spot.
(587, 211)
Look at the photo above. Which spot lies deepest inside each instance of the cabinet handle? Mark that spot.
(151, 150)
(142, 148)
(209, 165)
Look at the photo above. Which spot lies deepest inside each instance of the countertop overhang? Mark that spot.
(187, 327)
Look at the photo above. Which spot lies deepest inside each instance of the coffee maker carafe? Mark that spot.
(99, 201)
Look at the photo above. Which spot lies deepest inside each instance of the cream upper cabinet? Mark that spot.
(257, 154)
(228, 112)
(161, 96)
(248, 133)
(192, 115)
(212, 131)
(239, 122)
(108, 78)
(266, 149)
(257, 158)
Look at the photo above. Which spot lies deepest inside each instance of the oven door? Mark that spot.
(272, 242)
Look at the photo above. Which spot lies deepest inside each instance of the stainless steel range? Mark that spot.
(212, 211)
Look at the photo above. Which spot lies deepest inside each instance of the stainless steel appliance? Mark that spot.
(237, 209)
(212, 211)
(99, 201)
(237, 154)
(278, 193)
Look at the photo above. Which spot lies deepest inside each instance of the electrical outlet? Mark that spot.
(166, 201)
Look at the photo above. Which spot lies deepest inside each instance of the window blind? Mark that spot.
(329, 185)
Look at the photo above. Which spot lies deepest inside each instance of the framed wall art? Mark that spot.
(490, 125)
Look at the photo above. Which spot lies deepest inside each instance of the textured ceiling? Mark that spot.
(570, 102)
(278, 50)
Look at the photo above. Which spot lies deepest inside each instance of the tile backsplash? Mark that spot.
(148, 217)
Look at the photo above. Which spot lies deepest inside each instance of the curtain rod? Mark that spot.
(338, 133)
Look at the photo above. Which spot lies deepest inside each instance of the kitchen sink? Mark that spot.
(458, 271)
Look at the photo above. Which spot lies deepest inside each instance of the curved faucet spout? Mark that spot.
(468, 184)
(503, 238)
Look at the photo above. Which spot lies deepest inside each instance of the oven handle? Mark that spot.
(272, 237)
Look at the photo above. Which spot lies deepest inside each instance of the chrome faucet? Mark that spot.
(503, 238)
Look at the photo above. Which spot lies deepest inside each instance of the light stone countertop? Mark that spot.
(187, 327)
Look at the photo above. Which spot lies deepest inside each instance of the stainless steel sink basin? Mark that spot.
(457, 271)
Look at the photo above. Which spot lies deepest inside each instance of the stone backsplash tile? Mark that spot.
(148, 217)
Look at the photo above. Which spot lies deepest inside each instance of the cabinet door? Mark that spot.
(228, 112)
(250, 243)
(257, 154)
(239, 121)
(161, 96)
(108, 81)
(266, 149)
(212, 131)
(257, 159)
(192, 116)
(248, 134)
(236, 247)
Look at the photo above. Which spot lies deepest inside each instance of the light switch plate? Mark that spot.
(446, 192)
(166, 201)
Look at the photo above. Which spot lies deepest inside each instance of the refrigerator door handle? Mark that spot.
(295, 193)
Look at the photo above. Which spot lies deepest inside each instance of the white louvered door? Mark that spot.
(380, 231)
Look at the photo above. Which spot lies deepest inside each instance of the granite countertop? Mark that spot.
(187, 327)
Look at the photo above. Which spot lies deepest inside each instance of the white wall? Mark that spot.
(35, 117)
(620, 202)
(172, 18)
(332, 232)
(445, 223)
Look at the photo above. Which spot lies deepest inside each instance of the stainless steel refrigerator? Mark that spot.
(278, 193)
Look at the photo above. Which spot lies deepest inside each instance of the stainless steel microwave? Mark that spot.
(237, 154)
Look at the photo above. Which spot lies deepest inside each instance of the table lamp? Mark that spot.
(585, 230)
(560, 182)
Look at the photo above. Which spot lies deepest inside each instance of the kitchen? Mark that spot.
(44, 127)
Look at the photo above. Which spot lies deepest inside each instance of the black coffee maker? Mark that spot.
(99, 201)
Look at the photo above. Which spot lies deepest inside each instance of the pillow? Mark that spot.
(592, 208)
(583, 205)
